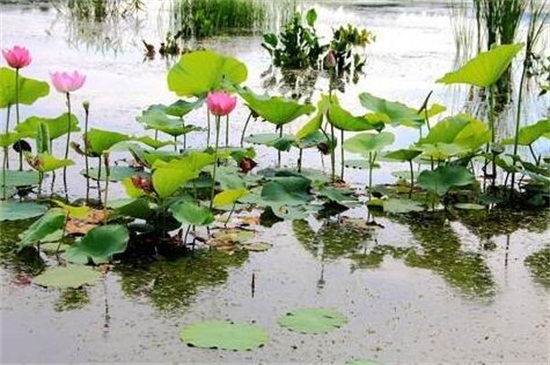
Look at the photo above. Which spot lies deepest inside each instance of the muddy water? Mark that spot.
(450, 289)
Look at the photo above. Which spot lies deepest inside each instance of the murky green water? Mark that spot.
(455, 288)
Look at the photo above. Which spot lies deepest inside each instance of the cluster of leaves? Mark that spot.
(298, 46)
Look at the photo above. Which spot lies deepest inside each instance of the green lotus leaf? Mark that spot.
(340, 195)
(363, 362)
(315, 123)
(275, 109)
(469, 206)
(187, 211)
(228, 197)
(57, 127)
(462, 130)
(116, 173)
(529, 134)
(291, 190)
(7, 139)
(169, 177)
(72, 276)
(443, 178)
(20, 178)
(44, 162)
(441, 151)
(72, 211)
(402, 154)
(485, 69)
(100, 141)
(366, 143)
(361, 164)
(400, 206)
(157, 119)
(344, 120)
(52, 221)
(133, 207)
(313, 320)
(99, 245)
(153, 143)
(30, 90)
(197, 73)
(15, 210)
(225, 335)
(180, 108)
(283, 143)
(398, 113)
(294, 212)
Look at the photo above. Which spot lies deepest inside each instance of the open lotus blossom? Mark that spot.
(17, 57)
(220, 103)
(65, 82)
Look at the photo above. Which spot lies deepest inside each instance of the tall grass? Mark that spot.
(205, 18)
(100, 10)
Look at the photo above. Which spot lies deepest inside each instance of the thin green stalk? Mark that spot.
(107, 177)
(535, 157)
(99, 164)
(86, 157)
(208, 127)
(300, 157)
(230, 214)
(17, 115)
(332, 155)
(279, 151)
(245, 127)
(6, 149)
(68, 140)
(217, 121)
(342, 167)
(175, 144)
(227, 131)
(412, 178)
(184, 135)
(493, 130)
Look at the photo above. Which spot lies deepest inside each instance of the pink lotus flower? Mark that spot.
(65, 82)
(17, 57)
(220, 103)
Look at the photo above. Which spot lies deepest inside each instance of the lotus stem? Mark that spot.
(535, 157)
(175, 144)
(412, 179)
(300, 157)
(17, 114)
(342, 167)
(493, 131)
(186, 235)
(279, 151)
(5, 164)
(184, 135)
(230, 214)
(227, 131)
(332, 155)
(518, 117)
(107, 177)
(86, 158)
(99, 163)
(208, 127)
(245, 127)
(68, 140)
(217, 121)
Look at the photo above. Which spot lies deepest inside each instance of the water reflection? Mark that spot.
(173, 283)
(539, 265)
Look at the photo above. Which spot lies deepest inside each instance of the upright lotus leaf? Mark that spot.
(169, 177)
(529, 134)
(275, 109)
(486, 68)
(29, 90)
(136, 208)
(116, 173)
(57, 127)
(187, 211)
(196, 160)
(280, 143)
(290, 190)
(51, 222)
(7, 139)
(197, 73)
(181, 107)
(344, 120)
(224, 335)
(462, 130)
(100, 141)
(15, 210)
(228, 197)
(313, 320)
(443, 178)
(44, 162)
(99, 245)
(158, 119)
(317, 121)
(72, 276)
(150, 142)
(72, 211)
(366, 143)
(20, 178)
(403, 154)
(441, 151)
(398, 113)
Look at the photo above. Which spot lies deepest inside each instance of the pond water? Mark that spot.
(462, 288)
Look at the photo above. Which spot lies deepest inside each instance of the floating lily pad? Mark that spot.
(68, 277)
(258, 247)
(363, 362)
(313, 320)
(13, 210)
(20, 178)
(225, 335)
(397, 206)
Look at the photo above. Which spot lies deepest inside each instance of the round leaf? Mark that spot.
(313, 320)
(68, 277)
(99, 245)
(224, 335)
(12, 211)
(365, 143)
(51, 222)
(29, 90)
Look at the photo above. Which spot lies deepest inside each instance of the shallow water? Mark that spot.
(444, 289)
